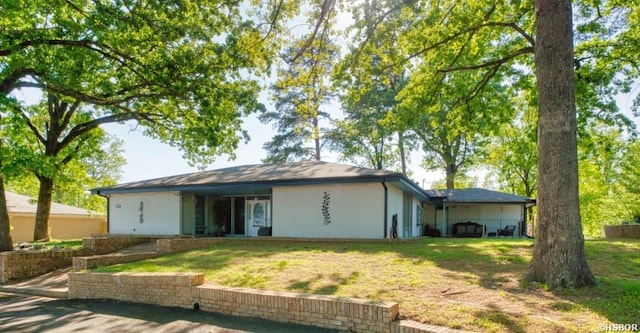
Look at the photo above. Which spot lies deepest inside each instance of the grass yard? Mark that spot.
(471, 284)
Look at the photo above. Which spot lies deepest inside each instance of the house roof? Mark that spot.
(261, 177)
(22, 204)
(478, 195)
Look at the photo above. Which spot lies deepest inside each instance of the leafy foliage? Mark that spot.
(370, 77)
(180, 69)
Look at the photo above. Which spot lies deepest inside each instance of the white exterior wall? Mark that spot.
(395, 203)
(396, 206)
(160, 213)
(355, 211)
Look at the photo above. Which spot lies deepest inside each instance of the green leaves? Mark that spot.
(169, 67)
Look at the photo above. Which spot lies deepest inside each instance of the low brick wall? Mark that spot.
(24, 264)
(185, 290)
(108, 244)
(84, 263)
(166, 289)
(622, 231)
(356, 315)
(185, 244)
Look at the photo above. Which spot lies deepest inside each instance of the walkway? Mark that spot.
(55, 284)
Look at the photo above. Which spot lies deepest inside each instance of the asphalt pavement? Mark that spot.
(27, 313)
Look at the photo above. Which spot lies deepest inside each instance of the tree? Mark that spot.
(6, 244)
(93, 167)
(177, 68)
(300, 92)
(630, 179)
(452, 131)
(558, 253)
(48, 142)
(370, 77)
(493, 40)
(512, 155)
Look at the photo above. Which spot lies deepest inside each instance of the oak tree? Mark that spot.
(180, 69)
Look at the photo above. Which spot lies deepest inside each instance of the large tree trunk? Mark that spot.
(316, 138)
(41, 230)
(6, 244)
(403, 157)
(558, 254)
(450, 173)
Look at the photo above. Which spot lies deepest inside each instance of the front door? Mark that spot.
(258, 215)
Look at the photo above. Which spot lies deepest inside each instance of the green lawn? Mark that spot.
(74, 244)
(472, 284)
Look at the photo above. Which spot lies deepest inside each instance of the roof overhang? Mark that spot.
(265, 187)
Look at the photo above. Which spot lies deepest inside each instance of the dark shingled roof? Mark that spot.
(305, 172)
(478, 195)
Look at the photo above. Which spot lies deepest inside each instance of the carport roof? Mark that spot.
(265, 176)
(478, 195)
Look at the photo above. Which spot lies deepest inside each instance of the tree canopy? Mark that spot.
(180, 69)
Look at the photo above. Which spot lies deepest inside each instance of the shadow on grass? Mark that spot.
(494, 317)
(318, 286)
(489, 263)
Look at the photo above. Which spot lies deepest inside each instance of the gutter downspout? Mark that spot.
(108, 207)
(523, 228)
(386, 199)
(445, 218)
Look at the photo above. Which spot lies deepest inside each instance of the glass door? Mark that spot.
(258, 215)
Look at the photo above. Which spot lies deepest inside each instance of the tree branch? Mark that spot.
(492, 63)
(12, 81)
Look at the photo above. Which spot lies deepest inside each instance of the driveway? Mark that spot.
(23, 313)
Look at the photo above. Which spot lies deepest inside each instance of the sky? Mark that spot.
(148, 158)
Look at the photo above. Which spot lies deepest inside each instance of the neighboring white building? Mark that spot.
(306, 199)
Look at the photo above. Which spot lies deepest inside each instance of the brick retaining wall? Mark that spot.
(185, 244)
(108, 244)
(622, 231)
(84, 263)
(166, 289)
(24, 264)
(356, 315)
(185, 290)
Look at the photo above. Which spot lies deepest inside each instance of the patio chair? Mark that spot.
(507, 231)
